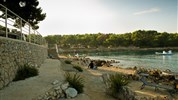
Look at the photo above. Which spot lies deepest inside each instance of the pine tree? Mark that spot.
(26, 9)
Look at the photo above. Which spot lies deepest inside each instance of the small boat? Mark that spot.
(77, 55)
(164, 53)
(83, 55)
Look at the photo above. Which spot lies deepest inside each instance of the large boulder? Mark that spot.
(100, 62)
(71, 92)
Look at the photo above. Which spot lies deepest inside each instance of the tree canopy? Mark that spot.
(26, 9)
(139, 38)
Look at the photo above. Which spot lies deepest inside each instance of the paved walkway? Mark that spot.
(35, 86)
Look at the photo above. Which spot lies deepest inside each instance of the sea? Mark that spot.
(146, 59)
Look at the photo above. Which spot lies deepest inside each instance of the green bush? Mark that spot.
(25, 71)
(117, 81)
(67, 62)
(78, 68)
(75, 81)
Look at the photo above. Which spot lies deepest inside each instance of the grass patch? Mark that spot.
(75, 81)
(67, 62)
(117, 82)
(25, 71)
(78, 68)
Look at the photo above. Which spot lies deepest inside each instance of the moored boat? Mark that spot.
(164, 53)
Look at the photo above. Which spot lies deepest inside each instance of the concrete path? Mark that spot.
(35, 86)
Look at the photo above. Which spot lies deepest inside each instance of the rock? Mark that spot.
(62, 95)
(55, 82)
(64, 86)
(50, 93)
(54, 94)
(71, 92)
(127, 94)
(57, 88)
(58, 96)
(59, 91)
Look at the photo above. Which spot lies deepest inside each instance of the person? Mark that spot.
(94, 65)
(91, 65)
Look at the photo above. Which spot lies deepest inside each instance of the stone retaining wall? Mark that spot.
(14, 53)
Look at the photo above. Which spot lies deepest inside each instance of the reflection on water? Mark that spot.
(146, 59)
(166, 58)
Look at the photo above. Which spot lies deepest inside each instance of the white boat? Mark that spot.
(164, 53)
(77, 55)
(83, 55)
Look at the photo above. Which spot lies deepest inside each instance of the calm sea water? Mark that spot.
(147, 59)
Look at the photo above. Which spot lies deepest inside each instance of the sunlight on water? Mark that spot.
(140, 59)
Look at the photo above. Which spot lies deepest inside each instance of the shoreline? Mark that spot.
(108, 64)
(104, 49)
(124, 63)
(121, 65)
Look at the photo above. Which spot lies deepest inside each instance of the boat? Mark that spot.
(164, 53)
(83, 55)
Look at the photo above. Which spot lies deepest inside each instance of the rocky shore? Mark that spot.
(135, 93)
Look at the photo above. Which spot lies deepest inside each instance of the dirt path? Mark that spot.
(94, 88)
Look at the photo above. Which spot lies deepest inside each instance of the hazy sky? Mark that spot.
(108, 16)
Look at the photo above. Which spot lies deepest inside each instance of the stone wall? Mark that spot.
(14, 53)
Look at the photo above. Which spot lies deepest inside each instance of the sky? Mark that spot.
(108, 16)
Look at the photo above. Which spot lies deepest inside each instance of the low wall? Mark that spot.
(53, 54)
(14, 53)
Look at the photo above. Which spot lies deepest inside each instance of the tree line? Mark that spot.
(139, 38)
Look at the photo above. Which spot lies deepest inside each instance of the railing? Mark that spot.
(15, 29)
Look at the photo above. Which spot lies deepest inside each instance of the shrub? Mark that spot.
(78, 68)
(75, 81)
(67, 62)
(117, 81)
(25, 71)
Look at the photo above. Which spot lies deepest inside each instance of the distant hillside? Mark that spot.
(140, 38)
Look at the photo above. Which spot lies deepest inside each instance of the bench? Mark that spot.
(146, 83)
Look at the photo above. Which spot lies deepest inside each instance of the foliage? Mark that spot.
(78, 68)
(2, 28)
(25, 71)
(29, 11)
(75, 81)
(35, 38)
(67, 62)
(117, 81)
(140, 38)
